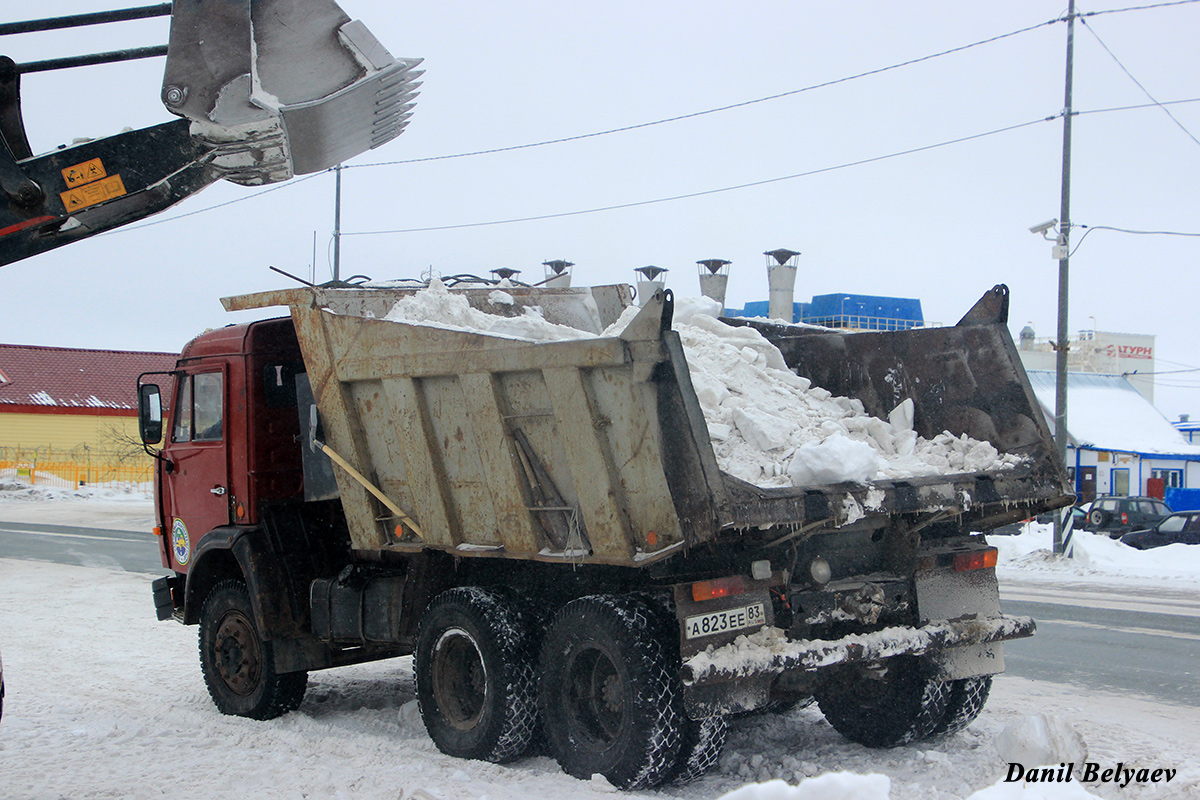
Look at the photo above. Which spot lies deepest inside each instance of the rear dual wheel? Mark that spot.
(903, 705)
(475, 672)
(610, 701)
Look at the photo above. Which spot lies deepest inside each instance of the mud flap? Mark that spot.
(949, 595)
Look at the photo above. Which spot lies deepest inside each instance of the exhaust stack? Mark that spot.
(781, 279)
(558, 274)
(650, 282)
(714, 279)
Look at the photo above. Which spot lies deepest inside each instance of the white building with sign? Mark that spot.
(1119, 443)
(1130, 355)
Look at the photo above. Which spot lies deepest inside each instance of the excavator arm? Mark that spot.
(265, 90)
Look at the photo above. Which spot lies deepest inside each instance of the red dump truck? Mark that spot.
(544, 527)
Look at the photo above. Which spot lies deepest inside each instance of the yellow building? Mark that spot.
(68, 416)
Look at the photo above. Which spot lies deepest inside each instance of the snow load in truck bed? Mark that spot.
(769, 426)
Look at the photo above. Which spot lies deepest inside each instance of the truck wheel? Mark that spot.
(902, 706)
(966, 699)
(700, 746)
(238, 665)
(609, 701)
(475, 676)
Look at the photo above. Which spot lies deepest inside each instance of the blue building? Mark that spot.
(854, 311)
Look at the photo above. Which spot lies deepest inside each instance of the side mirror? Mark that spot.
(150, 416)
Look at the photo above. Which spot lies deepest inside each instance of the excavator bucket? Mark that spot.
(266, 89)
(283, 87)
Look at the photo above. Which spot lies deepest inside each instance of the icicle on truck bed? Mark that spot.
(631, 522)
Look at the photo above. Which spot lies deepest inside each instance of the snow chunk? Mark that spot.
(830, 786)
(834, 460)
(1041, 739)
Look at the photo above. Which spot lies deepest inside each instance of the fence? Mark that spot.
(41, 466)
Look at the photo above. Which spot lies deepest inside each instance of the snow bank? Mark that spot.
(768, 426)
(1029, 555)
(16, 491)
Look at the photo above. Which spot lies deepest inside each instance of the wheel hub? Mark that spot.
(459, 679)
(239, 660)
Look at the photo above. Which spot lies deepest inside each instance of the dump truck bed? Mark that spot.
(596, 450)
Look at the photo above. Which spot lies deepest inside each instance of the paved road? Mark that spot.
(1145, 641)
(88, 547)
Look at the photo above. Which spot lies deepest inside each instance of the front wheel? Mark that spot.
(608, 699)
(238, 665)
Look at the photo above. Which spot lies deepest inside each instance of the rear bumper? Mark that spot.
(770, 652)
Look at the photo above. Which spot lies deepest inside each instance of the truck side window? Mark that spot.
(182, 430)
(200, 408)
(209, 396)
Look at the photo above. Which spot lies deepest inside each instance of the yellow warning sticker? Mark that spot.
(92, 193)
(83, 173)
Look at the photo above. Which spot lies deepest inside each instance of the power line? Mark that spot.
(1155, 104)
(1139, 233)
(275, 188)
(1145, 91)
(1091, 228)
(1137, 8)
(717, 110)
(705, 192)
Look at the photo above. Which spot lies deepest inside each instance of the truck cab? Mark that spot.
(232, 439)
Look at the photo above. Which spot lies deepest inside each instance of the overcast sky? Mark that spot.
(942, 225)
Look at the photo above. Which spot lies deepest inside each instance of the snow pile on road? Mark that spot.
(1029, 555)
(768, 426)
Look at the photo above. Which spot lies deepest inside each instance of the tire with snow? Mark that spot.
(966, 698)
(700, 747)
(609, 700)
(900, 707)
(238, 664)
(475, 676)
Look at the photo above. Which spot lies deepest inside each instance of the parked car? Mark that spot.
(1117, 516)
(1180, 528)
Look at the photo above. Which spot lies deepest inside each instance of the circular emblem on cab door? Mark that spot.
(180, 543)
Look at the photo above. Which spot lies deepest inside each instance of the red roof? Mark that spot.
(71, 378)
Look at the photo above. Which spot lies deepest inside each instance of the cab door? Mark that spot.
(196, 488)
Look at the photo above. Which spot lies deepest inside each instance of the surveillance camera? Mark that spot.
(1043, 227)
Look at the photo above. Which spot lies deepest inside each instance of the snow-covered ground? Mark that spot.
(1095, 558)
(106, 702)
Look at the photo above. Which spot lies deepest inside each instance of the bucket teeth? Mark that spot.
(300, 83)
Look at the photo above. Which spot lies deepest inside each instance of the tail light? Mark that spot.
(979, 559)
(1124, 518)
(724, 587)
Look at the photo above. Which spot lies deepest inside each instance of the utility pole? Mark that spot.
(1062, 250)
(337, 223)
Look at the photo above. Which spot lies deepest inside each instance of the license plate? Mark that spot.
(733, 619)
